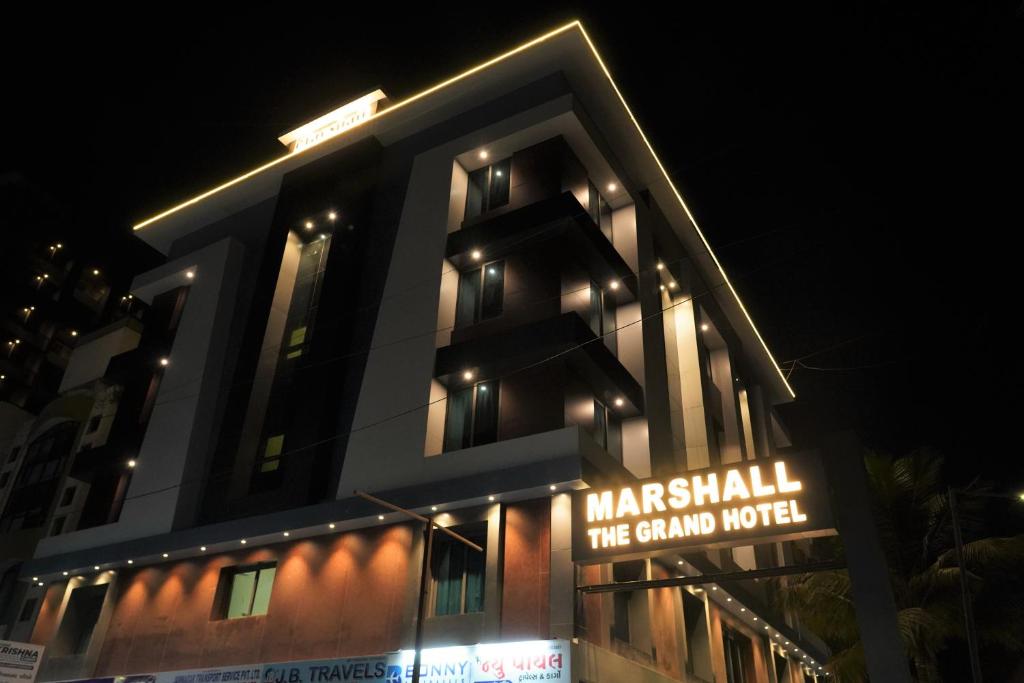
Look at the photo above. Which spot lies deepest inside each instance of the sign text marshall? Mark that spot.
(758, 501)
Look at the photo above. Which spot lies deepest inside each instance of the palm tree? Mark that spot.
(912, 513)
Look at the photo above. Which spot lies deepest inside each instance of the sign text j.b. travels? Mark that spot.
(754, 501)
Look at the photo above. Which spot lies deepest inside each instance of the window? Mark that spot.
(472, 417)
(600, 211)
(595, 310)
(488, 188)
(94, 424)
(480, 294)
(607, 430)
(458, 572)
(67, 496)
(3, 479)
(58, 526)
(737, 656)
(271, 459)
(79, 621)
(28, 609)
(14, 454)
(248, 590)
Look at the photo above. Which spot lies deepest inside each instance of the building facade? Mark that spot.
(468, 302)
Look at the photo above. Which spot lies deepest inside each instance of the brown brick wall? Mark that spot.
(527, 570)
(333, 596)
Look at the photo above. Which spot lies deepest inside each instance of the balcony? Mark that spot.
(560, 225)
(551, 340)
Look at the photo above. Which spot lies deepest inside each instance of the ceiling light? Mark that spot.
(332, 216)
(131, 561)
(74, 333)
(40, 584)
(672, 285)
(619, 403)
(714, 588)
(433, 508)
(483, 154)
(308, 225)
(164, 362)
(286, 533)
(380, 517)
(743, 609)
(612, 187)
(96, 567)
(728, 599)
(166, 555)
(661, 287)
(467, 375)
(475, 254)
(679, 562)
(95, 271)
(552, 487)
(65, 573)
(35, 578)
(704, 327)
(490, 498)
(131, 464)
(660, 266)
(243, 541)
(331, 525)
(189, 274)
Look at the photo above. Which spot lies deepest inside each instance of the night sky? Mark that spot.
(858, 172)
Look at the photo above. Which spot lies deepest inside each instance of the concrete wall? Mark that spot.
(90, 358)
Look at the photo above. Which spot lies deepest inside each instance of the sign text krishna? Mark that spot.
(751, 502)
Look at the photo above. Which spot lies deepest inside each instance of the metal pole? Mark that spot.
(972, 636)
(421, 609)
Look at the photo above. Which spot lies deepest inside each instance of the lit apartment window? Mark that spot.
(248, 590)
(607, 429)
(488, 188)
(458, 572)
(472, 417)
(600, 211)
(480, 294)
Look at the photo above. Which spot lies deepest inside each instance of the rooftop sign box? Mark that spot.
(756, 501)
(333, 123)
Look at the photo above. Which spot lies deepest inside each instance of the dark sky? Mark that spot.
(858, 171)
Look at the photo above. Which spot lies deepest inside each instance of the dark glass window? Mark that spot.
(94, 424)
(737, 656)
(3, 479)
(595, 311)
(28, 609)
(67, 496)
(481, 293)
(607, 429)
(488, 188)
(458, 572)
(472, 416)
(600, 210)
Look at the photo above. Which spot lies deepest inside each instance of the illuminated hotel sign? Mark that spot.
(751, 502)
(333, 123)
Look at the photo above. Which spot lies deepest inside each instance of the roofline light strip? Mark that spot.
(394, 107)
(682, 202)
(465, 74)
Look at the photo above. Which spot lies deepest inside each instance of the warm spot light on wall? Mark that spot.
(164, 362)
(619, 403)
(467, 375)
(483, 154)
(612, 187)
(131, 464)
(475, 255)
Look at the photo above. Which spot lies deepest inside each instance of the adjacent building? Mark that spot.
(468, 302)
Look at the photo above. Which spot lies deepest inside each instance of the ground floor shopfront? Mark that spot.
(341, 604)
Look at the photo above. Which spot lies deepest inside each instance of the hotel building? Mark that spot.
(468, 302)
